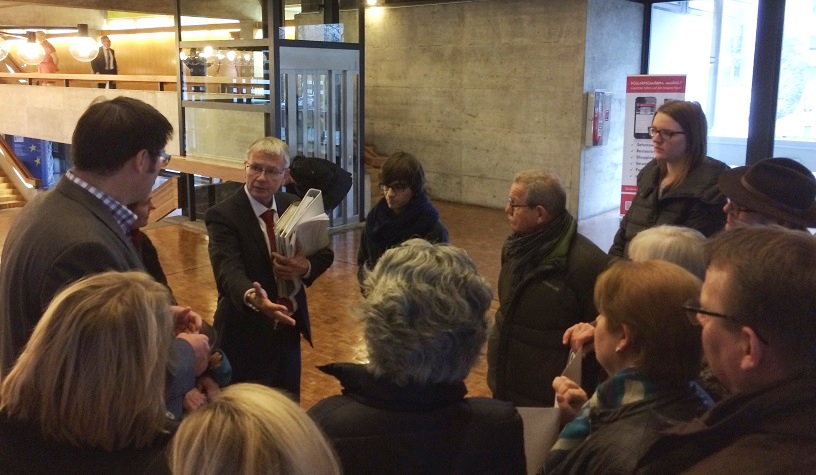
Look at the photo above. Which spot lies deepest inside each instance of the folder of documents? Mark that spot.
(305, 222)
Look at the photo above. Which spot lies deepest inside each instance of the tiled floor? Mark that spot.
(182, 247)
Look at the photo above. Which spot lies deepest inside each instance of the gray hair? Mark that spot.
(676, 244)
(270, 146)
(544, 188)
(425, 314)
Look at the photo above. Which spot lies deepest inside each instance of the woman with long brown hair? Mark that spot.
(679, 187)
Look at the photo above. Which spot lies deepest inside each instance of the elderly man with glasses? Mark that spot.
(545, 286)
(758, 318)
(260, 329)
(772, 191)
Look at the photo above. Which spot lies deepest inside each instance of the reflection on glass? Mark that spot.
(225, 75)
(796, 107)
(284, 111)
(221, 134)
(310, 20)
(210, 21)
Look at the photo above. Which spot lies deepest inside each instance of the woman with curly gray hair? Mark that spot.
(406, 411)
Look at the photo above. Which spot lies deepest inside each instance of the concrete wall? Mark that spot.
(613, 39)
(50, 113)
(51, 16)
(479, 91)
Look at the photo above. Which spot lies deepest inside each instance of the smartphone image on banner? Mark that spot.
(645, 108)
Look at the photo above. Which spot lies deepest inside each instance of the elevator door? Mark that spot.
(319, 105)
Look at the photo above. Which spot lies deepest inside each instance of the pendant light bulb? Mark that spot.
(83, 47)
(31, 52)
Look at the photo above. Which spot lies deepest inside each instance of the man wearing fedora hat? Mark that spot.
(772, 191)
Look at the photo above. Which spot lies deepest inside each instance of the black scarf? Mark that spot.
(384, 229)
(523, 252)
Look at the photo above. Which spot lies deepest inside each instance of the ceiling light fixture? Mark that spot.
(83, 47)
(31, 52)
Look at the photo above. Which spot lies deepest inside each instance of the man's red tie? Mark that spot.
(268, 218)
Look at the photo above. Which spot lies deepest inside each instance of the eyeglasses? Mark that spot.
(664, 134)
(737, 209)
(515, 206)
(698, 316)
(397, 187)
(256, 169)
(164, 158)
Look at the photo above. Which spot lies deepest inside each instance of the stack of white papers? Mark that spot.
(305, 222)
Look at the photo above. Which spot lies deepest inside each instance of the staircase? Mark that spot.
(165, 199)
(9, 196)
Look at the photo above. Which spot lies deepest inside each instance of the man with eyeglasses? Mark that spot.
(259, 329)
(758, 318)
(772, 191)
(545, 286)
(82, 227)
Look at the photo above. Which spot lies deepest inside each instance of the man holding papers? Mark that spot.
(260, 327)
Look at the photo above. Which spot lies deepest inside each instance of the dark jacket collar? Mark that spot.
(361, 386)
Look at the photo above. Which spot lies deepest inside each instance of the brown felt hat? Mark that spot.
(777, 187)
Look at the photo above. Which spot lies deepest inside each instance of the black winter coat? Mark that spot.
(378, 427)
(697, 203)
(525, 352)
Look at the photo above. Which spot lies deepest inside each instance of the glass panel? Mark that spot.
(796, 109)
(354, 147)
(307, 115)
(337, 106)
(209, 21)
(318, 111)
(221, 134)
(309, 20)
(284, 112)
(718, 59)
(323, 125)
(223, 74)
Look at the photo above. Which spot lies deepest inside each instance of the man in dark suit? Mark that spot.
(105, 62)
(260, 335)
(82, 226)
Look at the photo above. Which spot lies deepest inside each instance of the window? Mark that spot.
(712, 42)
(796, 106)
